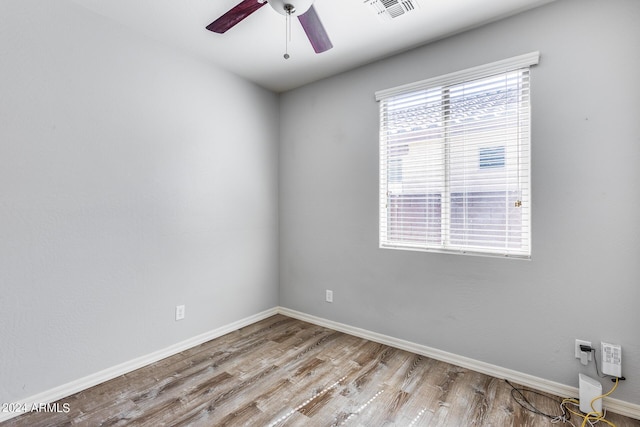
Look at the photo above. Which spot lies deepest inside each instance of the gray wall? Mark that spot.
(132, 178)
(584, 278)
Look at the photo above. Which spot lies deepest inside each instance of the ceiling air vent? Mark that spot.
(389, 9)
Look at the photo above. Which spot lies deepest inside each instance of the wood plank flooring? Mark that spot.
(285, 372)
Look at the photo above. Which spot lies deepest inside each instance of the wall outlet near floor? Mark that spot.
(329, 296)
(611, 359)
(584, 358)
(179, 312)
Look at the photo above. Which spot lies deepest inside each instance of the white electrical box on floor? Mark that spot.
(589, 390)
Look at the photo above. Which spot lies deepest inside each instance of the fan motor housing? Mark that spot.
(296, 7)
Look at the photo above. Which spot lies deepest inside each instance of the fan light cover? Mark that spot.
(301, 6)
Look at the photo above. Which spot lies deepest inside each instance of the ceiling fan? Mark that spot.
(303, 9)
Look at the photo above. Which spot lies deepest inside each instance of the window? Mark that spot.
(455, 163)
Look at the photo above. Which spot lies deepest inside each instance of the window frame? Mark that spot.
(514, 64)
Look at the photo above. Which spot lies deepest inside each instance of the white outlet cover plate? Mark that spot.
(578, 351)
(611, 359)
(179, 312)
(329, 296)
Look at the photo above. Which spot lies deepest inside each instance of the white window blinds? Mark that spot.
(455, 162)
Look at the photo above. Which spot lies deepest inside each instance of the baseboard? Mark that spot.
(76, 386)
(614, 405)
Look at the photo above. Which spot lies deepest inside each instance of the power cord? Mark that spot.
(594, 416)
(518, 394)
(589, 419)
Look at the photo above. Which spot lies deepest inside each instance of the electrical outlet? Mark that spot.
(578, 352)
(611, 359)
(179, 312)
(329, 296)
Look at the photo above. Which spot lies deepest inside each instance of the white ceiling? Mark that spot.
(254, 48)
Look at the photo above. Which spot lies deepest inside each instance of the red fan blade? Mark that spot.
(235, 15)
(315, 30)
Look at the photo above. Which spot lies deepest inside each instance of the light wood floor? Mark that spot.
(285, 372)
